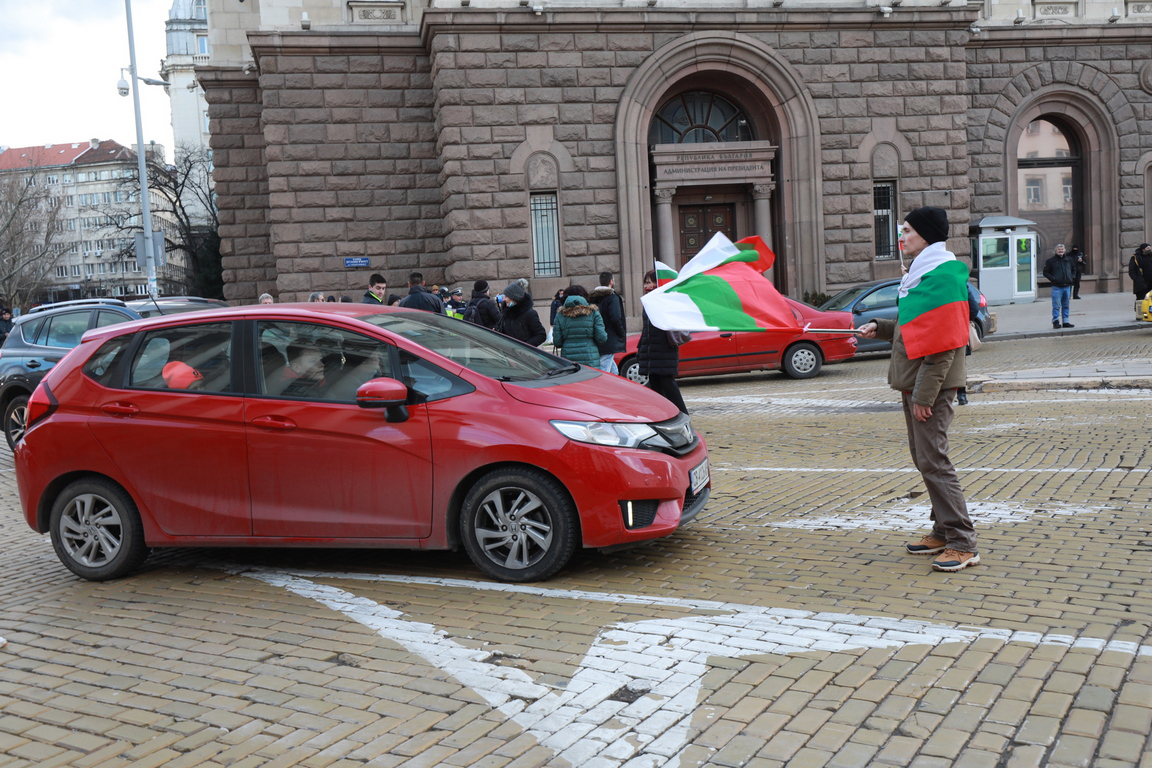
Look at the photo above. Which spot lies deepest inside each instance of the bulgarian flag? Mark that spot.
(722, 288)
(664, 274)
(933, 303)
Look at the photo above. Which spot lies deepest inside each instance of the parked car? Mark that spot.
(800, 355)
(346, 425)
(38, 341)
(877, 299)
(173, 305)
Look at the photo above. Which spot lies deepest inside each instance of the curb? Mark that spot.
(1029, 385)
(1017, 336)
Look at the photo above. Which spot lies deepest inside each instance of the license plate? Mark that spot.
(699, 476)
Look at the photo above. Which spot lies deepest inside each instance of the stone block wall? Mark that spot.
(240, 176)
(490, 90)
(906, 87)
(352, 166)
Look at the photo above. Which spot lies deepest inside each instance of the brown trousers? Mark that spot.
(928, 443)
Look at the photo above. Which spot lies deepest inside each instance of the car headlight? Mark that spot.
(605, 433)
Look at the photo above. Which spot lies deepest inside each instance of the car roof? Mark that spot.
(74, 306)
(303, 311)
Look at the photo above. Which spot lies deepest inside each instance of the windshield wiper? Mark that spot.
(570, 368)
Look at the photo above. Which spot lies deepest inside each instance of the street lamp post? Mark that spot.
(145, 202)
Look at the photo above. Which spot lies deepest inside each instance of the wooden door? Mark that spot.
(699, 222)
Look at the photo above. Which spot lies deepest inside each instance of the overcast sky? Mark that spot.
(59, 63)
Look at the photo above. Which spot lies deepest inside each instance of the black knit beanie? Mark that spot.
(930, 223)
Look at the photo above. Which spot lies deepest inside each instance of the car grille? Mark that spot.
(675, 436)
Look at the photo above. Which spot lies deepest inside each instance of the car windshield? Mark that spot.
(844, 299)
(477, 349)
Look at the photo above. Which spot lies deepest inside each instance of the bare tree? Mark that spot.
(184, 207)
(29, 228)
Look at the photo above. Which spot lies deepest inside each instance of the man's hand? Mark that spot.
(868, 330)
(921, 412)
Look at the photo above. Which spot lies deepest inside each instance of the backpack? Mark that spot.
(471, 313)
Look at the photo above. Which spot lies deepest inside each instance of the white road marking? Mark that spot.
(916, 516)
(662, 661)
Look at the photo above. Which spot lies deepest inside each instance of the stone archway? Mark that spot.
(780, 91)
(1089, 103)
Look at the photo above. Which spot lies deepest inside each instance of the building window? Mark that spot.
(202, 45)
(88, 270)
(141, 289)
(698, 117)
(51, 179)
(206, 128)
(545, 234)
(1067, 184)
(75, 270)
(200, 9)
(884, 219)
(61, 271)
(1034, 191)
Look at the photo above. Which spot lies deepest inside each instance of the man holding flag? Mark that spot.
(928, 339)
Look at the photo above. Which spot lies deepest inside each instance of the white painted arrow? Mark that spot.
(631, 700)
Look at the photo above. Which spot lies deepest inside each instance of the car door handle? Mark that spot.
(273, 422)
(725, 335)
(33, 363)
(120, 409)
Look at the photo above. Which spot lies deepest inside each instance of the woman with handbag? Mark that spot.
(1140, 270)
(657, 355)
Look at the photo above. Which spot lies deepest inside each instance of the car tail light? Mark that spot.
(983, 301)
(41, 404)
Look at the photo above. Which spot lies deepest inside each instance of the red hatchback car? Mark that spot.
(342, 425)
(799, 354)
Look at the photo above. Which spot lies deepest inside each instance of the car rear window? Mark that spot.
(30, 329)
(110, 318)
(104, 366)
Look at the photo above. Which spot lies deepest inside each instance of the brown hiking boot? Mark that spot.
(955, 560)
(929, 545)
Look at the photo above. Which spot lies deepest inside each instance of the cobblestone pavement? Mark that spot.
(786, 626)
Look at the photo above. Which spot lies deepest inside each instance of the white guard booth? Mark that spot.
(1005, 256)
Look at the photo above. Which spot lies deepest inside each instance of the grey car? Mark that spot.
(877, 299)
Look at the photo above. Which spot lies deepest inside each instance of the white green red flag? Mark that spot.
(933, 303)
(664, 274)
(722, 288)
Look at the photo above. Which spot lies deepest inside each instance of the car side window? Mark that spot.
(318, 362)
(110, 318)
(427, 382)
(881, 298)
(192, 357)
(65, 329)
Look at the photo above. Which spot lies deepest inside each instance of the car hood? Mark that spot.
(599, 398)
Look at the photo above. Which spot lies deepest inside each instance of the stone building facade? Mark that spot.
(498, 139)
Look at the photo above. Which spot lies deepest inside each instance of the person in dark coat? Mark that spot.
(1140, 270)
(377, 288)
(657, 357)
(5, 324)
(1060, 270)
(1081, 262)
(557, 302)
(518, 319)
(611, 308)
(480, 309)
(973, 312)
(579, 331)
(420, 297)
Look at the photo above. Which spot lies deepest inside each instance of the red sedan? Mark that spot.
(342, 425)
(800, 355)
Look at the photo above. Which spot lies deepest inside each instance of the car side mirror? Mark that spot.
(384, 393)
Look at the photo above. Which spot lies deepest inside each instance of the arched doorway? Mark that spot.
(706, 162)
(779, 116)
(1049, 183)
